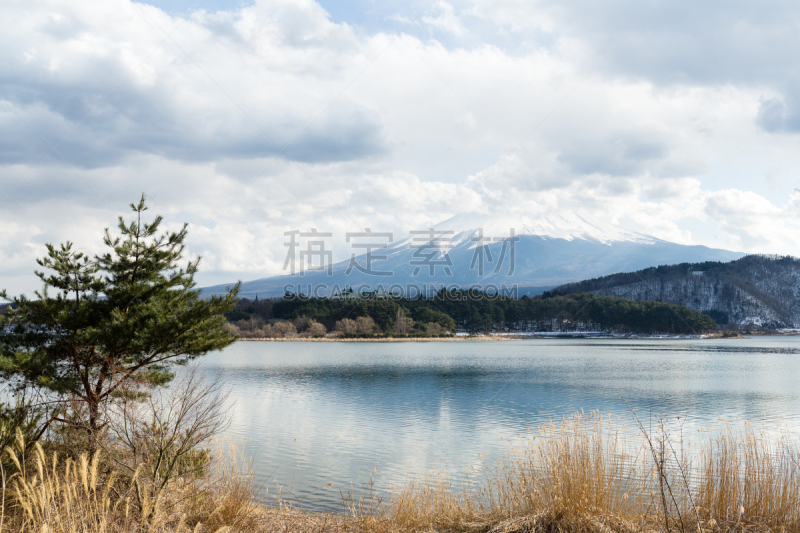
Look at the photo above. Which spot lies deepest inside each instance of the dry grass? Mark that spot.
(580, 476)
(747, 477)
(284, 520)
(68, 499)
(48, 495)
(227, 495)
(584, 475)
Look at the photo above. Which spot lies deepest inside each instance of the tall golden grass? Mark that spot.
(747, 477)
(584, 475)
(47, 495)
(61, 499)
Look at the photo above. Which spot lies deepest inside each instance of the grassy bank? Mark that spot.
(583, 475)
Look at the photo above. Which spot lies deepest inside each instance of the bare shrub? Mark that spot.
(365, 324)
(250, 328)
(433, 328)
(315, 329)
(280, 328)
(159, 439)
(308, 327)
(403, 324)
(233, 329)
(252, 334)
(346, 325)
(249, 324)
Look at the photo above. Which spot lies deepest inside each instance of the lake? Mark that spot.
(315, 413)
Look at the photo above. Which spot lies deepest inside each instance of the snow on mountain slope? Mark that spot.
(567, 226)
(478, 250)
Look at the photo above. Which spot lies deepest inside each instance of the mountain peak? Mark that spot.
(568, 226)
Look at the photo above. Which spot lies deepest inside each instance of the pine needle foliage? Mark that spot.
(102, 324)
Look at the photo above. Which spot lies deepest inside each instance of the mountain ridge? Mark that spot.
(759, 290)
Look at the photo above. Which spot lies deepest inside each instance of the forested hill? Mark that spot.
(756, 289)
(474, 311)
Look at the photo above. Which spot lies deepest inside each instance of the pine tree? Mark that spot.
(117, 322)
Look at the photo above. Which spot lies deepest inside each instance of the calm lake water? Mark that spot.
(316, 413)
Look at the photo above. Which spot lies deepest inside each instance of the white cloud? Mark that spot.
(444, 19)
(517, 107)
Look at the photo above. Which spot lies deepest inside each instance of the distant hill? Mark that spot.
(756, 289)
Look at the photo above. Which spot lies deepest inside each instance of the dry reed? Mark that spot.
(584, 475)
(748, 477)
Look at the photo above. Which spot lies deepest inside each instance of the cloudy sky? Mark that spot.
(677, 119)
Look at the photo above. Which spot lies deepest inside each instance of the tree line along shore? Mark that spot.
(448, 312)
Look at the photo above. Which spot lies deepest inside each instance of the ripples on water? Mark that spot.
(319, 413)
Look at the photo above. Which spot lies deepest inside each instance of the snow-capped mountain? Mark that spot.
(567, 226)
(532, 253)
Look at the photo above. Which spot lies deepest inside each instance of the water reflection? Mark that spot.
(316, 413)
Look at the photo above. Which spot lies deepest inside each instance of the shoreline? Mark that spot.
(511, 337)
(377, 339)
